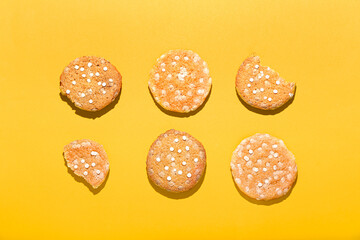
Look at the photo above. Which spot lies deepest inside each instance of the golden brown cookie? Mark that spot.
(91, 83)
(262, 87)
(180, 81)
(176, 161)
(263, 168)
(87, 159)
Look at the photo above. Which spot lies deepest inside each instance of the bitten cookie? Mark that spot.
(91, 83)
(262, 87)
(87, 159)
(263, 168)
(180, 81)
(176, 161)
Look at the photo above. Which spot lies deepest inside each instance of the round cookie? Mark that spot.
(176, 161)
(180, 81)
(262, 87)
(91, 83)
(263, 168)
(88, 160)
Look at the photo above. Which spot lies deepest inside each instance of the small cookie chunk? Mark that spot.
(87, 159)
(180, 81)
(263, 168)
(91, 83)
(262, 87)
(176, 161)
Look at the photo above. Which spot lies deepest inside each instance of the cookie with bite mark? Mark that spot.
(262, 87)
(87, 159)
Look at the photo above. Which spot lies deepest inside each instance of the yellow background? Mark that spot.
(313, 43)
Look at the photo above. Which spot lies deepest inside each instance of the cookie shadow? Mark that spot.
(266, 112)
(82, 180)
(177, 114)
(262, 202)
(90, 114)
(180, 195)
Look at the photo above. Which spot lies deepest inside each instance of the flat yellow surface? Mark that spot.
(313, 43)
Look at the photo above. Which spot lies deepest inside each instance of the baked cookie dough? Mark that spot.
(263, 168)
(88, 160)
(180, 81)
(176, 161)
(91, 83)
(262, 87)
